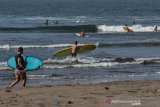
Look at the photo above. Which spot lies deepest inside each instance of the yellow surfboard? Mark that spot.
(68, 51)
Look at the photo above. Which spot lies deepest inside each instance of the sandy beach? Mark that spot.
(112, 94)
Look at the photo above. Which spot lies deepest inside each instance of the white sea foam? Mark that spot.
(42, 77)
(55, 66)
(93, 62)
(119, 28)
(3, 66)
(60, 61)
(87, 62)
(157, 72)
(7, 46)
(147, 59)
(102, 64)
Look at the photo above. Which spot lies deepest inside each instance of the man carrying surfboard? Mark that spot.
(20, 71)
(75, 49)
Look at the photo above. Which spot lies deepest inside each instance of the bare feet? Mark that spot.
(8, 89)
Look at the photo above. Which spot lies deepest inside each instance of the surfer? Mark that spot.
(82, 34)
(134, 22)
(55, 22)
(46, 22)
(75, 49)
(127, 28)
(155, 28)
(20, 71)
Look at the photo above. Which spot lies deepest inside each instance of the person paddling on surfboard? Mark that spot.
(75, 49)
(20, 71)
(82, 34)
(127, 28)
(55, 22)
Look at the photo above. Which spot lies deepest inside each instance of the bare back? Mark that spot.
(74, 48)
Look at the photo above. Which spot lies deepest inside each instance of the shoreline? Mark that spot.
(144, 93)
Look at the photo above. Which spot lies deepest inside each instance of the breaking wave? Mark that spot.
(7, 46)
(88, 62)
(96, 62)
(119, 28)
(149, 42)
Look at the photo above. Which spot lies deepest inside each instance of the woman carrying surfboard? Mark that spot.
(20, 71)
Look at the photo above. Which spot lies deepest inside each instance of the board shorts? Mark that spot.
(74, 54)
(20, 73)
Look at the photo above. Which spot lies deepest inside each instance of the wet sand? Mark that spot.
(112, 94)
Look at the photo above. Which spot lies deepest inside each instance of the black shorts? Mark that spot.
(74, 54)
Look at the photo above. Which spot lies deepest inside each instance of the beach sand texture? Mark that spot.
(113, 94)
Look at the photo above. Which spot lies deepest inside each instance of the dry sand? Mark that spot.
(113, 94)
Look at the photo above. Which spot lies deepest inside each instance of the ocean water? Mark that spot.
(119, 55)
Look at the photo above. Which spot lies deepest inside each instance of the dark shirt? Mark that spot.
(22, 62)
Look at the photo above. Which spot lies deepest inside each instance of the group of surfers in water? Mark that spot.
(20, 71)
(125, 27)
(81, 34)
(56, 22)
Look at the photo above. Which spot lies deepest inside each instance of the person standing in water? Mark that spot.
(155, 29)
(134, 22)
(46, 22)
(75, 49)
(20, 72)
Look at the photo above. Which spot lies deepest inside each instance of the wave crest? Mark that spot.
(119, 28)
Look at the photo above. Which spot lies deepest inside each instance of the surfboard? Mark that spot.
(68, 51)
(32, 63)
(128, 29)
(78, 34)
(86, 35)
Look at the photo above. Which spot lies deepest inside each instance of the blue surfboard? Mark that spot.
(32, 63)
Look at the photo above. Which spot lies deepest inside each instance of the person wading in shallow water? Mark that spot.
(75, 49)
(20, 72)
(155, 28)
